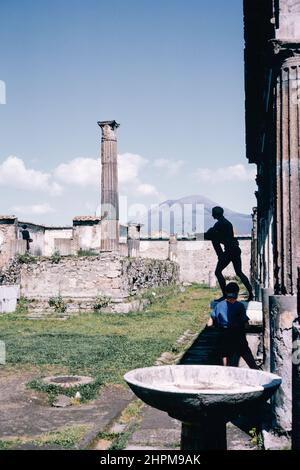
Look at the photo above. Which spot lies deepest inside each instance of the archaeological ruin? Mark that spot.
(87, 260)
(100, 264)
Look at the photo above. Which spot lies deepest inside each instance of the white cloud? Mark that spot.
(80, 171)
(130, 165)
(147, 190)
(13, 173)
(230, 173)
(171, 166)
(37, 209)
(86, 172)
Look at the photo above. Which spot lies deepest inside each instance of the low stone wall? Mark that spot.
(83, 282)
(196, 258)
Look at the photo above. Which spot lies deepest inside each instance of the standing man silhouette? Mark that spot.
(222, 234)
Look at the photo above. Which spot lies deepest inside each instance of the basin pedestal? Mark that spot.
(204, 435)
(203, 398)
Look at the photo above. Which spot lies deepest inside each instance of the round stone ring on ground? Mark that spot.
(67, 381)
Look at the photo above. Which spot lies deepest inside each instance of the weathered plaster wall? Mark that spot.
(37, 235)
(88, 236)
(51, 235)
(195, 258)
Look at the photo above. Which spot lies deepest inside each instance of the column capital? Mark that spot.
(284, 51)
(108, 129)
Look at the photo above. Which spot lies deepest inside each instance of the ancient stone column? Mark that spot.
(266, 292)
(109, 187)
(254, 252)
(296, 386)
(133, 239)
(173, 245)
(296, 376)
(283, 312)
(287, 199)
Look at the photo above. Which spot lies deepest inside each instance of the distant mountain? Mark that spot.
(186, 216)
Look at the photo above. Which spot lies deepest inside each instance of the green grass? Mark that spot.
(104, 346)
(66, 437)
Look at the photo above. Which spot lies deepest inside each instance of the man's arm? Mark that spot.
(212, 235)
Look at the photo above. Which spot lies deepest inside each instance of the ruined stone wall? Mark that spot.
(81, 280)
(142, 274)
(195, 258)
(73, 277)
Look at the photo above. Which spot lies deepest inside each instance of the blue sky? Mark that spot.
(170, 71)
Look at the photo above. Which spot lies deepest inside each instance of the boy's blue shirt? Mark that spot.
(229, 315)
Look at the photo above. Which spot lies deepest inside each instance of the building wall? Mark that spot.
(38, 236)
(88, 236)
(49, 237)
(195, 258)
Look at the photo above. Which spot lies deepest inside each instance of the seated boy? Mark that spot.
(229, 316)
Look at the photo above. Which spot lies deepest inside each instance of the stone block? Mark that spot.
(8, 298)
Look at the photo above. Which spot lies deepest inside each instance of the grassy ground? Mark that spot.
(104, 346)
(66, 437)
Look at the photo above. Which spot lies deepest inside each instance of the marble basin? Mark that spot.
(204, 398)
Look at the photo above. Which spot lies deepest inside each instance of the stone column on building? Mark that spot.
(254, 269)
(296, 375)
(287, 207)
(109, 187)
(296, 386)
(266, 293)
(173, 247)
(283, 312)
(133, 239)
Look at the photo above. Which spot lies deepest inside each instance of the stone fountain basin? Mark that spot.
(189, 392)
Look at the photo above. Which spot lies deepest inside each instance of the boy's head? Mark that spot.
(24, 227)
(217, 212)
(232, 290)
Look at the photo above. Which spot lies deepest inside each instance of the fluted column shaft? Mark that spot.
(109, 187)
(287, 210)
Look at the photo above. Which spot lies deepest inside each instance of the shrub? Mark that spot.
(56, 257)
(89, 252)
(101, 302)
(58, 303)
(27, 258)
(22, 305)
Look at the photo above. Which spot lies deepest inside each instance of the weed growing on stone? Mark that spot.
(101, 301)
(56, 257)
(27, 258)
(22, 306)
(82, 252)
(58, 303)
